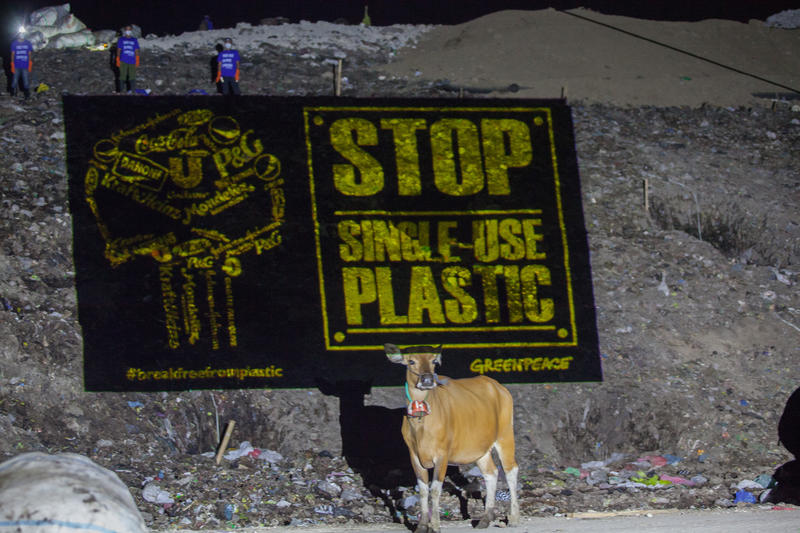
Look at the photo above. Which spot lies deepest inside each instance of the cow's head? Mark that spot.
(421, 362)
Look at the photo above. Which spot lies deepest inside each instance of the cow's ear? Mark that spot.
(438, 359)
(394, 354)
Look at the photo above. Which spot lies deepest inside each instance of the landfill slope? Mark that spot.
(697, 300)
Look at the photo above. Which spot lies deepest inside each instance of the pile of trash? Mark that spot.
(56, 27)
(788, 19)
(653, 472)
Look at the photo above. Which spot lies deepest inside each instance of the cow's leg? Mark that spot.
(439, 471)
(422, 486)
(489, 471)
(505, 450)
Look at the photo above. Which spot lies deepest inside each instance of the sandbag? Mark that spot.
(73, 40)
(46, 31)
(41, 493)
(48, 16)
(105, 36)
(49, 22)
(37, 39)
(70, 24)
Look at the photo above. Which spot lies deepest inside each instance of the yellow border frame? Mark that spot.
(307, 110)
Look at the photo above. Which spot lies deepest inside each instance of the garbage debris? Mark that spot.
(56, 27)
(154, 494)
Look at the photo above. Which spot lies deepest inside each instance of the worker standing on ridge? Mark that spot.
(228, 69)
(21, 63)
(127, 58)
(206, 24)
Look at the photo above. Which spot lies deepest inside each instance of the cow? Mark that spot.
(455, 421)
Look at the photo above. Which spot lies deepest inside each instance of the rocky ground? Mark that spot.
(698, 315)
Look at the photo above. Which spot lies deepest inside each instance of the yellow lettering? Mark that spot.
(350, 248)
(445, 241)
(386, 306)
(368, 239)
(536, 310)
(358, 285)
(406, 153)
(531, 238)
(476, 366)
(370, 172)
(387, 239)
(181, 179)
(513, 293)
(495, 133)
(460, 309)
(488, 274)
(513, 247)
(423, 297)
(484, 240)
(415, 240)
(464, 134)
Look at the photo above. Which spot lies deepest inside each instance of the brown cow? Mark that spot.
(455, 421)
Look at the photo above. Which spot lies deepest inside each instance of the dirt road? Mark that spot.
(786, 520)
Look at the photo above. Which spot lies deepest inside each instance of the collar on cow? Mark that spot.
(416, 408)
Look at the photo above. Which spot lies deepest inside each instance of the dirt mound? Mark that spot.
(603, 58)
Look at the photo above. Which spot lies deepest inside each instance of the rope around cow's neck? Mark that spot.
(408, 394)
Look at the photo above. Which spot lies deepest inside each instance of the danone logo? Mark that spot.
(443, 223)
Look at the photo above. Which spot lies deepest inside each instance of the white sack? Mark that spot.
(70, 24)
(48, 16)
(73, 40)
(41, 493)
(105, 36)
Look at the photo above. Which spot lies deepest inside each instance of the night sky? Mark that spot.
(174, 17)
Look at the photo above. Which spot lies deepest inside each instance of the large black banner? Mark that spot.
(269, 242)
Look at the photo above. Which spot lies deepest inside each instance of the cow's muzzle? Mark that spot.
(426, 381)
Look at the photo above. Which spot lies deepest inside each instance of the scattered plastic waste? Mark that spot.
(655, 460)
(765, 480)
(410, 501)
(154, 494)
(677, 480)
(652, 481)
(747, 484)
(244, 449)
(247, 449)
(743, 496)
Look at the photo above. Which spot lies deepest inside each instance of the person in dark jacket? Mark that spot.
(206, 24)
